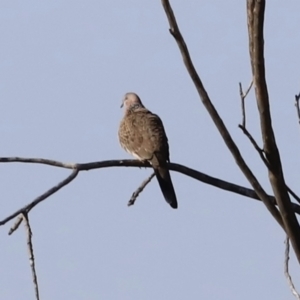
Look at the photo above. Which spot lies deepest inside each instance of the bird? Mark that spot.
(142, 134)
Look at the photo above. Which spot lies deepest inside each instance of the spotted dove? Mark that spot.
(142, 134)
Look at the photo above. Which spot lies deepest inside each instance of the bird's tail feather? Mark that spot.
(166, 186)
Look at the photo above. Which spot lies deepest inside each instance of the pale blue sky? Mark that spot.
(64, 68)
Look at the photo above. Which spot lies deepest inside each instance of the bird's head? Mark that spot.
(131, 101)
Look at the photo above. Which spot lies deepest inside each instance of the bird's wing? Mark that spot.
(142, 134)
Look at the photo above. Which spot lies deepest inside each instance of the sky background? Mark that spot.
(64, 68)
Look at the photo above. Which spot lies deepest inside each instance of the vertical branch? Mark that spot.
(31, 256)
(243, 105)
(255, 13)
(243, 97)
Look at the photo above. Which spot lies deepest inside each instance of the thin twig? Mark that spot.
(243, 105)
(140, 189)
(296, 197)
(249, 88)
(243, 97)
(297, 98)
(255, 145)
(31, 256)
(263, 158)
(16, 225)
(250, 137)
(286, 269)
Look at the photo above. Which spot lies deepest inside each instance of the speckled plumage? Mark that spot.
(142, 134)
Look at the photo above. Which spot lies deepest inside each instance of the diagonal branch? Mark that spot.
(252, 140)
(262, 156)
(255, 145)
(26, 209)
(16, 225)
(174, 30)
(255, 12)
(294, 195)
(140, 189)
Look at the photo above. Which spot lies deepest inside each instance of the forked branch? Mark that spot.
(78, 167)
(255, 13)
(175, 32)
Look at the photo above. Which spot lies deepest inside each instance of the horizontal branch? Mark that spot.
(77, 167)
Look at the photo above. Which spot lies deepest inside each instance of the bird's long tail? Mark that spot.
(164, 179)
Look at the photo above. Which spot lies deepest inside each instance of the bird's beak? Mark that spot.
(122, 105)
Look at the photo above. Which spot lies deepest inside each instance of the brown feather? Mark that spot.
(142, 134)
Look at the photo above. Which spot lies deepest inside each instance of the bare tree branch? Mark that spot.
(296, 197)
(286, 269)
(297, 98)
(243, 125)
(16, 225)
(243, 97)
(243, 105)
(255, 12)
(31, 256)
(174, 30)
(125, 163)
(224, 185)
(255, 145)
(250, 137)
(262, 156)
(140, 189)
(42, 161)
(26, 209)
